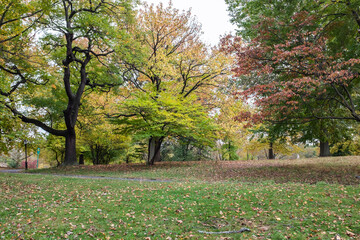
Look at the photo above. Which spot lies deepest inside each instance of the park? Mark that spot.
(120, 120)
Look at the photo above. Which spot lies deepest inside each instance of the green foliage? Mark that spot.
(162, 114)
(345, 148)
(13, 163)
(97, 139)
(55, 150)
(229, 151)
(247, 14)
(66, 48)
(134, 152)
(183, 149)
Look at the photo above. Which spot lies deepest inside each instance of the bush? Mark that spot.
(31, 164)
(13, 163)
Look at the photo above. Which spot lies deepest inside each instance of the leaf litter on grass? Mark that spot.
(44, 207)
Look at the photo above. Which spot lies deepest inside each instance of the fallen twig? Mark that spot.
(227, 232)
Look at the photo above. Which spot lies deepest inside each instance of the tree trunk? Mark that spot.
(186, 152)
(154, 150)
(324, 149)
(70, 149)
(271, 152)
(81, 159)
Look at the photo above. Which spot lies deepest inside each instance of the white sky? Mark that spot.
(211, 14)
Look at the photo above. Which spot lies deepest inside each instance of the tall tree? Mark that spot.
(307, 65)
(173, 65)
(78, 39)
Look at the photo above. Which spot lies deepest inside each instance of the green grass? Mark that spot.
(49, 207)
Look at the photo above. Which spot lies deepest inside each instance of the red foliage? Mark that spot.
(31, 164)
(302, 67)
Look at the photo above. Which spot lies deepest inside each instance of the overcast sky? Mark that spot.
(211, 14)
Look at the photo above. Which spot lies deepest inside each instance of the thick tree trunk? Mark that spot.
(154, 150)
(70, 149)
(271, 152)
(324, 149)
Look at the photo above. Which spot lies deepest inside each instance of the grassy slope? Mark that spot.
(45, 207)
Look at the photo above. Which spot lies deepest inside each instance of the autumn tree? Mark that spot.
(311, 39)
(97, 136)
(170, 77)
(78, 39)
(146, 118)
(232, 134)
(298, 71)
(331, 26)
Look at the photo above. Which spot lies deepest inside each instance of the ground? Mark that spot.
(301, 199)
(341, 170)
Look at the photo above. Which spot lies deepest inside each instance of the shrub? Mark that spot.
(13, 163)
(31, 164)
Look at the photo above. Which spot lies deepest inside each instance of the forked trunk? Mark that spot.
(324, 149)
(154, 150)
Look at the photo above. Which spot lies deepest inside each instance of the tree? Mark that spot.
(329, 29)
(173, 66)
(232, 134)
(97, 136)
(17, 19)
(299, 78)
(339, 20)
(146, 118)
(77, 41)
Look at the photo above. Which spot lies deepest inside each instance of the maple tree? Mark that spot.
(304, 71)
(74, 53)
(297, 77)
(329, 30)
(171, 74)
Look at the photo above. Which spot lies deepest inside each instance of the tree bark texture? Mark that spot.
(154, 150)
(70, 149)
(324, 149)
(271, 152)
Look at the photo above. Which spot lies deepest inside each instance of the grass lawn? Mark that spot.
(302, 199)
